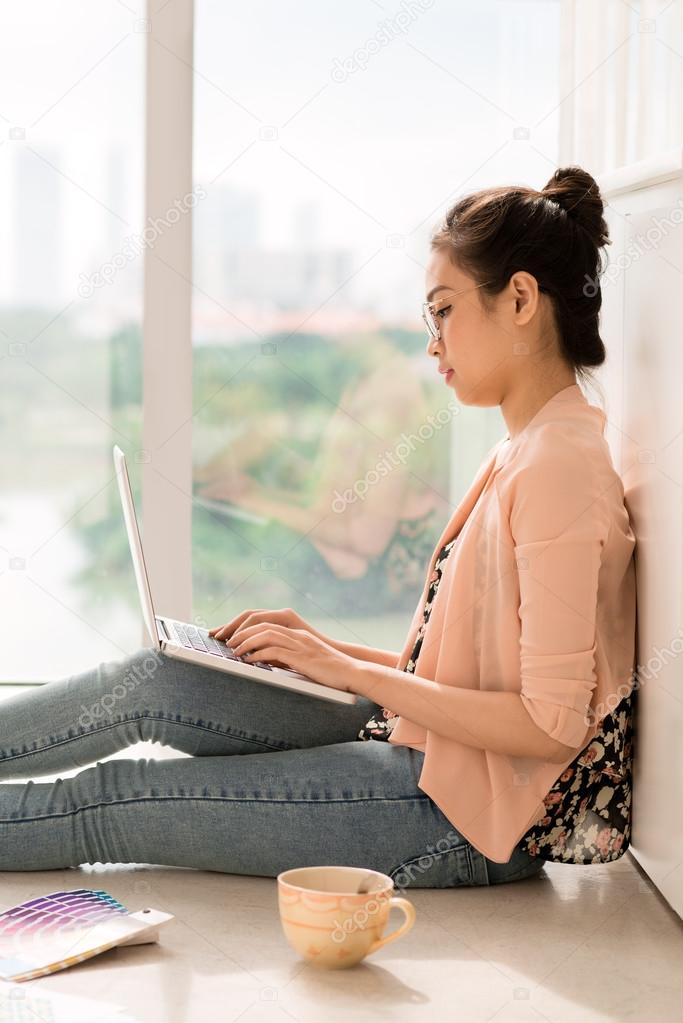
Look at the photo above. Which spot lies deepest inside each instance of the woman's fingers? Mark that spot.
(255, 636)
(220, 631)
(225, 631)
(249, 618)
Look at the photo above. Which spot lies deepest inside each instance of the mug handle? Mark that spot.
(408, 910)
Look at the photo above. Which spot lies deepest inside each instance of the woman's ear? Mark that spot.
(525, 292)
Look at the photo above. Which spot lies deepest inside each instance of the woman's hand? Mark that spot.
(285, 616)
(321, 656)
(231, 633)
(297, 649)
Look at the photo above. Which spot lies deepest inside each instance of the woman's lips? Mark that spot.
(447, 373)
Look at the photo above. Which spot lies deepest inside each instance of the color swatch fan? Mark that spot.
(63, 928)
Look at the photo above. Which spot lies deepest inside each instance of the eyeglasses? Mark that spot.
(428, 312)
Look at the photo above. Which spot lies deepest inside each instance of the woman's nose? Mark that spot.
(431, 345)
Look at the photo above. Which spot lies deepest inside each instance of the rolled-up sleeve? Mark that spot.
(559, 522)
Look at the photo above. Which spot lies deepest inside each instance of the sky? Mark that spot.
(384, 113)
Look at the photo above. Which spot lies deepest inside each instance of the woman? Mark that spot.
(499, 737)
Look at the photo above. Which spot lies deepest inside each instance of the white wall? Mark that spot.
(642, 326)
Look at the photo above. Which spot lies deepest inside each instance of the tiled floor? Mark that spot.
(598, 942)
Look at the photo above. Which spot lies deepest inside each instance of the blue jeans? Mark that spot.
(276, 779)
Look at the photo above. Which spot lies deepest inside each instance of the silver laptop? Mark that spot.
(190, 643)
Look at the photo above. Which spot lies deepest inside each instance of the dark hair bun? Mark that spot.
(577, 193)
(557, 235)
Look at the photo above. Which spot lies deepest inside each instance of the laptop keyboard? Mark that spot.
(193, 638)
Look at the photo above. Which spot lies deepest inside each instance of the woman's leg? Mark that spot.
(152, 697)
(354, 803)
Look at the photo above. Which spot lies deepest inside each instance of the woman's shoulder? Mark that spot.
(561, 451)
(556, 473)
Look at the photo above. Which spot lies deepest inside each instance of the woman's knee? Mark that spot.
(143, 676)
(125, 684)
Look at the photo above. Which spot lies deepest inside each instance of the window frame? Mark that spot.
(166, 469)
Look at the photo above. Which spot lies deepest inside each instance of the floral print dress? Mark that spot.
(382, 725)
(587, 815)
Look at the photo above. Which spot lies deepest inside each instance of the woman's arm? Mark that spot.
(367, 654)
(493, 721)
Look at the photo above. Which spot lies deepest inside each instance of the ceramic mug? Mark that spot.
(335, 916)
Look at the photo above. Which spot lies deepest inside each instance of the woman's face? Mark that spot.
(476, 344)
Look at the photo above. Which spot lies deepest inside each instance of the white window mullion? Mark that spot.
(167, 344)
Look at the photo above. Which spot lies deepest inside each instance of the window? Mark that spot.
(327, 453)
(70, 341)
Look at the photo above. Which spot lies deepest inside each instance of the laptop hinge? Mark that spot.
(162, 628)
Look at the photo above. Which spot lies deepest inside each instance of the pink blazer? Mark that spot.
(538, 598)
